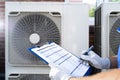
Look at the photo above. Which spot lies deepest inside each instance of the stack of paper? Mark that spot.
(53, 53)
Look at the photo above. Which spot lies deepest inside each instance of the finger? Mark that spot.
(85, 57)
(53, 72)
(82, 53)
(86, 63)
(52, 65)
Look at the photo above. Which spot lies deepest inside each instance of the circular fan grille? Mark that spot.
(115, 36)
(34, 30)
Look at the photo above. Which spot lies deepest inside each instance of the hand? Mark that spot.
(57, 74)
(95, 60)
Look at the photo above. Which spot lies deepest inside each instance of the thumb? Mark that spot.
(82, 52)
(85, 57)
(53, 71)
(51, 65)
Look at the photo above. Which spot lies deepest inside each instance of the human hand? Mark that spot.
(95, 60)
(57, 74)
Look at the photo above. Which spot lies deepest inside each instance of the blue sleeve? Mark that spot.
(118, 59)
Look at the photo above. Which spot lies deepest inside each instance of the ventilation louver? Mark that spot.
(115, 36)
(31, 30)
(30, 77)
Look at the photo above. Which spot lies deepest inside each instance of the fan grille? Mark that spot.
(115, 36)
(30, 24)
(31, 77)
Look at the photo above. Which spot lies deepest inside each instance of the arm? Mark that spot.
(113, 62)
(96, 61)
(113, 74)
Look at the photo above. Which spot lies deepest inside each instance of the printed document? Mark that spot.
(53, 53)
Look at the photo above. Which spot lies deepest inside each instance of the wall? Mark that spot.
(2, 40)
(37, 0)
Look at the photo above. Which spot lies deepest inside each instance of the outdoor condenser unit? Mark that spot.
(31, 24)
(107, 24)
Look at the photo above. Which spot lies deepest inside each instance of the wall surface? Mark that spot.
(38, 0)
(2, 37)
(2, 40)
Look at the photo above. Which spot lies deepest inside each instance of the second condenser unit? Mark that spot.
(107, 25)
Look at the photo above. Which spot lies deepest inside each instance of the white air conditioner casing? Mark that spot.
(106, 16)
(70, 18)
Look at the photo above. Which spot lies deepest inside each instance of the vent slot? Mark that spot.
(14, 75)
(29, 77)
(54, 13)
(14, 13)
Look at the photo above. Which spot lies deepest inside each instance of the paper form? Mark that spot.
(53, 53)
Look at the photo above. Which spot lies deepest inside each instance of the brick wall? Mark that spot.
(38, 0)
(2, 37)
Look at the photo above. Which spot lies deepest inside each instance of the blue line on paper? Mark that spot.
(65, 60)
(75, 68)
(60, 58)
(45, 47)
(48, 49)
(54, 53)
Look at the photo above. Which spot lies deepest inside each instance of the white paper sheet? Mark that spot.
(53, 53)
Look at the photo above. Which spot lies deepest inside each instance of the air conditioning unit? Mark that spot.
(107, 22)
(30, 24)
